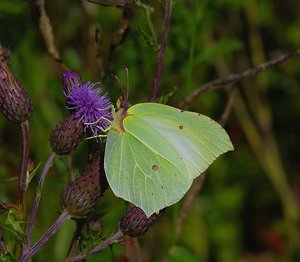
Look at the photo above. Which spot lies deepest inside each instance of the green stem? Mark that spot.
(148, 11)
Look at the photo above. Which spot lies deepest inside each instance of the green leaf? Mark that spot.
(31, 175)
(13, 225)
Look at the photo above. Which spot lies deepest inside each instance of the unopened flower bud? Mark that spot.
(67, 135)
(135, 222)
(81, 196)
(70, 80)
(14, 101)
(94, 225)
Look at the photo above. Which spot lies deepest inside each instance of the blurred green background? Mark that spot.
(247, 209)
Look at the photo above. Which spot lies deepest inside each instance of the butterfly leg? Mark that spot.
(98, 120)
(93, 137)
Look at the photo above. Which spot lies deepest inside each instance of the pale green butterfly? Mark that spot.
(154, 152)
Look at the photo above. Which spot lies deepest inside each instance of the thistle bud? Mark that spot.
(67, 135)
(94, 225)
(135, 222)
(14, 101)
(81, 196)
(70, 80)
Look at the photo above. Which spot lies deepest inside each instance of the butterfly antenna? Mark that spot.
(120, 83)
(127, 81)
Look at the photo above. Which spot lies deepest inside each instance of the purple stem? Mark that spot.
(37, 199)
(3, 249)
(50, 232)
(24, 165)
(162, 50)
(113, 239)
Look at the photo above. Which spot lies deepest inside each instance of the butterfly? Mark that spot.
(154, 152)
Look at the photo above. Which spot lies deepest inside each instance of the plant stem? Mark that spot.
(50, 232)
(113, 239)
(233, 78)
(47, 33)
(147, 10)
(76, 238)
(24, 165)
(162, 50)
(37, 199)
(3, 249)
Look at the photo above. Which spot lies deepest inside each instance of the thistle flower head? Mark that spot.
(14, 101)
(90, 106)
(67, 135)
(82, 195)
(135, 222)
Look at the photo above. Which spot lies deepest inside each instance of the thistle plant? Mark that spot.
(78, 199)
(16, 106)
(91, 112)
(14, 100)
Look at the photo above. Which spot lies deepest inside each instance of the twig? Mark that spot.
(113, 239)
(124, 25)
(117, 3)
(50, 232)
(37, 199)
(228, 107)
(162, 50)
(24, 165)
(47, 33)
(187, 202)
(120, 34)
(218, 83)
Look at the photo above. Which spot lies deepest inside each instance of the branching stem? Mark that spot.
(162, 50)
(113, 239)
(37, 199)
(233, 78)
(50, 232)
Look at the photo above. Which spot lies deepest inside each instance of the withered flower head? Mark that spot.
(135, 222)
(67, 135)
(81, 196)
(14, 101)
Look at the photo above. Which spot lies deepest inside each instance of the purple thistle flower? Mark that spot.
(90, 106)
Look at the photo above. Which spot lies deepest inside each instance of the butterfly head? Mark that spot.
(122, 103)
